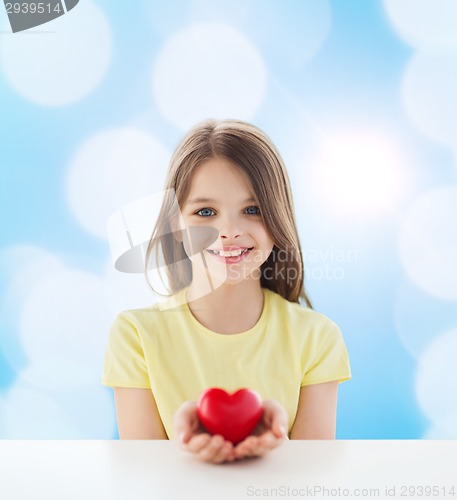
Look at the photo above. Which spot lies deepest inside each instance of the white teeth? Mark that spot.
(234, 253)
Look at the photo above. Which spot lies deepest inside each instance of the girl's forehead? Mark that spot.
(219, 173)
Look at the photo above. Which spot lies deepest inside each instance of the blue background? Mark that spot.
(351, 81)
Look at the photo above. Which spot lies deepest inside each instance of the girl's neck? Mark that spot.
(229, 309)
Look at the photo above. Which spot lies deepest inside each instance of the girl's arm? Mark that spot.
(137, 415)
(316, 414)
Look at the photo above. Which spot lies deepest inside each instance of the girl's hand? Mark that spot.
(269, 433)
(193, 437)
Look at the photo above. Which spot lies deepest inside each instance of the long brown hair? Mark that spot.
(253, 153)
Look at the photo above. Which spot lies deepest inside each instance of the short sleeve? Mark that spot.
(330, 360)
(124, 362)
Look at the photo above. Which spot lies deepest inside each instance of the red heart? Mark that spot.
(233, 416)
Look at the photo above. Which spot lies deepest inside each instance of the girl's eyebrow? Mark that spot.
(194, 201)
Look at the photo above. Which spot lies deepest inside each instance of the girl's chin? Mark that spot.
(230, 276)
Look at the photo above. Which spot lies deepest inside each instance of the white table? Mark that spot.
(67, 470)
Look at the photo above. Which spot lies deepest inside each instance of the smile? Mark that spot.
(230, 257)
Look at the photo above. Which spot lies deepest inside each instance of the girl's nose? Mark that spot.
(230, 229)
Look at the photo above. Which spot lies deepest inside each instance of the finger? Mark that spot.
(198, 443)
(263, 444)
(246, 447)
(212, 448)
(254, 450)
(258, 447)
(224, 453)
(277, 417)
(269, 441)
(185, 421)
(279, 429)
(187, 411)
(186, 434)
(231, 455)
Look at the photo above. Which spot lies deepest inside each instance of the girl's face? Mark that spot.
(229, 209)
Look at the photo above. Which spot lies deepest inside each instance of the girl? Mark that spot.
(227, 235)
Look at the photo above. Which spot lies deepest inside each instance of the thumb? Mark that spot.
(279, 429)
(183, 421)
(183, 436)
(279, 419)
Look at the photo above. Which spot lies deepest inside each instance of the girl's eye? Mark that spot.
(256, 212)
(203, 210)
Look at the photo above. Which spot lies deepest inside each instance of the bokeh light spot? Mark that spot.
(208, 71)
(63, 65)
(428, 242)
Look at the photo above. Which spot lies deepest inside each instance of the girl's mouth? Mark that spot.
(230, 260)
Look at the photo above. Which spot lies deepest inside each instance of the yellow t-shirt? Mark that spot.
(173, 354)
